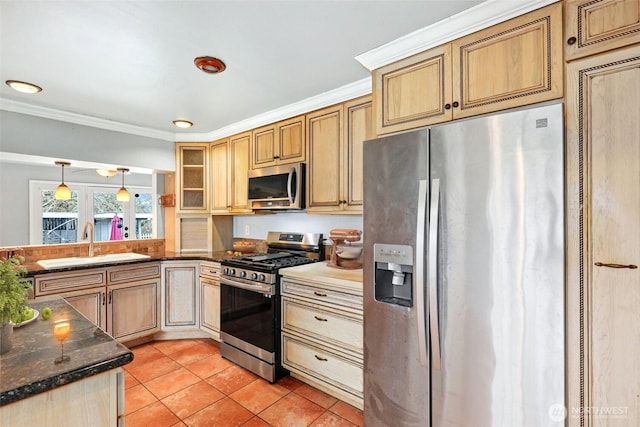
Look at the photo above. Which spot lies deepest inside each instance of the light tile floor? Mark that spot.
(188, 383)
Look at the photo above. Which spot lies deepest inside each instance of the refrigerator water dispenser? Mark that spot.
(393, 274)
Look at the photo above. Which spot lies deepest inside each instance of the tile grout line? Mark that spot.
(171, 356)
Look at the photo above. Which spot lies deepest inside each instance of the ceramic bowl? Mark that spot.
(352, 251)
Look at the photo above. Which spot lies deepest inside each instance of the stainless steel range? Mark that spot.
(250, 301)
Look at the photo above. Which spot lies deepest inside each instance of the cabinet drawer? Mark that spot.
(59, 282)
(133, 273)
(338, 328)
(322, 296)
(210, 270)
(341, 372)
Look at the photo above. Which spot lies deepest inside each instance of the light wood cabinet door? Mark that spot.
(193, 176)
(133, 309)
(358, 128)
(210, 306)
(220, 177)
(279, 143)
(413, 92)
(92, 303)
(97, 400)
(596, 26)
(515, 63)
(263, 142)
(239, 146)
(603, 223)
(324, 129)
(292, 139)
(180, 296)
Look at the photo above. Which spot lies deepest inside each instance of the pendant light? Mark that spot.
(123, 194)
(63, 192)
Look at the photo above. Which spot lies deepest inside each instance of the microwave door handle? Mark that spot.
(289, 182)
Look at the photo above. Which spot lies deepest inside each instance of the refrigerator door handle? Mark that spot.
(432, 268)
(420, 279)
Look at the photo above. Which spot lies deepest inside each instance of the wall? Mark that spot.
(24, 134)
(14, 194)
(260, 225)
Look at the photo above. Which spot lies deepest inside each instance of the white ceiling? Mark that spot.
(131, 62)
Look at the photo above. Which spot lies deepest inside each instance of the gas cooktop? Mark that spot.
(284, 249)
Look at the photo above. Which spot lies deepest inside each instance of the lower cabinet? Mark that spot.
(210, 298)
(322, 337)
(123, 301)
(132, 309)
(97, 400)
(180, 296)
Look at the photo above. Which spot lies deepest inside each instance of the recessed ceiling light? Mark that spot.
(23, 87)
(209, 64)
(183, 123)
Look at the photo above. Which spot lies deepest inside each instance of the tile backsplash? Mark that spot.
(33, 254)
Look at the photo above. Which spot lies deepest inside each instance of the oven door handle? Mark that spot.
(262, 289)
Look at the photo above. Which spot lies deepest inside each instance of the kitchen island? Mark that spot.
(88, 389)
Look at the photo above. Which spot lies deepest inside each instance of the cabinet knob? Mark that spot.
(276, 157)
(571, 40)
(447, 106)
(455, 104)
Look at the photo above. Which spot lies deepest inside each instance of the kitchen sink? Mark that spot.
(48, 264)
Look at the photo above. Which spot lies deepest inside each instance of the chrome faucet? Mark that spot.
(89, 236)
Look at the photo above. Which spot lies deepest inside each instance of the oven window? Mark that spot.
(248, 316)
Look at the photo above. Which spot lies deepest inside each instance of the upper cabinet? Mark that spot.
(596, 26)
(358, 128)
(220, 177)
(239, 166)
(192, 176)
(515, 63)
(324, 129)
(336, 135)
(279, 143)
(413, 92)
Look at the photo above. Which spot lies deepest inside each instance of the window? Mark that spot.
(62, 221)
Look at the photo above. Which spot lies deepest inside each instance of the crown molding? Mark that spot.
(335, 96)
(343, 93)
(471, 20)
(81, 119)
(479, 17)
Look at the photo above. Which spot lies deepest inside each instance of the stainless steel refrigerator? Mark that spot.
(464, 273)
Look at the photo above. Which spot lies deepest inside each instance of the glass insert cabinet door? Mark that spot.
(193, 186)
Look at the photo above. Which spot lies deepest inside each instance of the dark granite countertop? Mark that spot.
(28, 368)
(218, 256)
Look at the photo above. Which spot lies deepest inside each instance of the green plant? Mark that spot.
(13, 291)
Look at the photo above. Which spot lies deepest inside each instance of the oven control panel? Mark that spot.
(252, 275)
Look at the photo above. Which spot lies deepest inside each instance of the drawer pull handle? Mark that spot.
(319, 319)
(322, 359)
(611, 265)
(319, 294)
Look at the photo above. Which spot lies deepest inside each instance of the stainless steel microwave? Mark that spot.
(277, 187)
